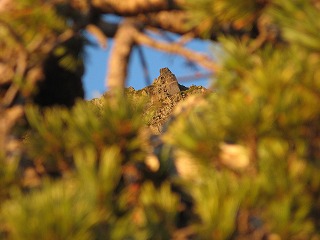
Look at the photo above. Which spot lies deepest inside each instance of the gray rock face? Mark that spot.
(165, 93)
(166, 85)
(161, 98)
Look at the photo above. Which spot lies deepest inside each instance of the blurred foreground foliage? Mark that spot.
(242, 162)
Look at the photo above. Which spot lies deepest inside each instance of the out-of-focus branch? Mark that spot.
(176, 48)
(8, 118)
(109, 29)
(19, 68)
(5, 5)
(120, 54)
(98, 34)
(127, 36)
(135, 7)
(176, 21)
(169, 16)
(172, 21)
(195, 76)
(144, 65)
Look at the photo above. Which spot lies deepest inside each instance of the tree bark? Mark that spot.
(8, 118)
(120, 54)
(172, 21)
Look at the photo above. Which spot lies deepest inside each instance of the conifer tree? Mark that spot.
(238, 162)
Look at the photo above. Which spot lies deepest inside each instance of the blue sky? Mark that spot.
(96, 67)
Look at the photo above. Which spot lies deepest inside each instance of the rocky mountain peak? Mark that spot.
(165, 86)
(165, 93)
(162, 96)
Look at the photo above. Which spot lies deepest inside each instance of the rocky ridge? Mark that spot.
(163, 95)
(161, 98)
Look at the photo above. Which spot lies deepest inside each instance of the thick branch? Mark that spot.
(120, 54)
(176, 21)
(167, 15)
(5, 5)
(135, 7)
(172, 21)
